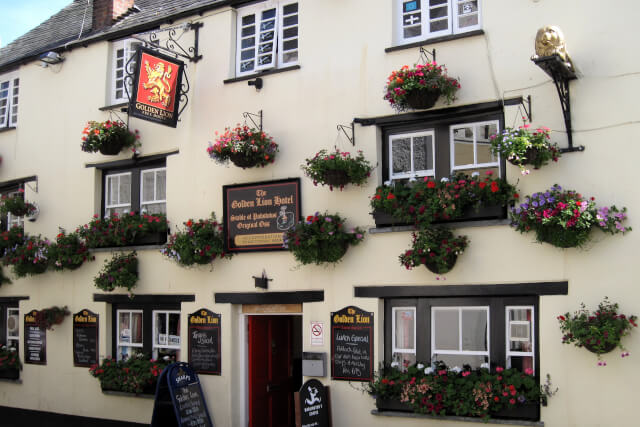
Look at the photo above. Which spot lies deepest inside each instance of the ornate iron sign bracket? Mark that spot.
(170, 44)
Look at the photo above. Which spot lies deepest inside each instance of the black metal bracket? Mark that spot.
(352, 138)
(250, 116)
(561, 73)
(171, 44)
(257, 83)
(262, 281)
(529, 111)
(425, 54)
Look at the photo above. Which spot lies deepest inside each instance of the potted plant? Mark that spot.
(322, 238)
(108, 137)
(337, 169)
(121, 271)
(29, 257)
(420, 87)
(425, 202)
(441, 391)
(125, 230)
(68, 252)
(200, 243)
(523, 147)
(600, 331)
(15, 205)
(10, 238)
(137, 374)
(246, 147)
(564, 218)
(434, 247)
(48, 317)
(10, 364)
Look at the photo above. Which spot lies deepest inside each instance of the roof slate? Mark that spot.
(72, 25)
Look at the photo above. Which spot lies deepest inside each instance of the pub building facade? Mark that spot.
(259, 324)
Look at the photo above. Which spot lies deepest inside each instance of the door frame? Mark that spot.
(244, 351)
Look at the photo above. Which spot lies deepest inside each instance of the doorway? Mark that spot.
(275, 368)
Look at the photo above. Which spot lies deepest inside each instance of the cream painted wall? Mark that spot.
(343, 70)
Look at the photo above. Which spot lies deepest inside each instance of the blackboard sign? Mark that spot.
(312, 405)
(35, 340)
(204, 342)
(179, 389)
(352, 344)
(85, 338)
(256, 215)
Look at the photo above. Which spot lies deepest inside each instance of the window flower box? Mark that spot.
(9, 373)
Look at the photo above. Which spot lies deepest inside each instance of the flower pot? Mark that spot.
(242, 160)
(383, 219)
(111, 146)
(9, 373)
(608, 347)
(392, 405)
(524, 411)
(421, 99)
(561, 237)
(336, 178)
(156, 238)
(433, 267)
(530, 155)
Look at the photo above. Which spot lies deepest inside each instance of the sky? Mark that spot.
(17, 17)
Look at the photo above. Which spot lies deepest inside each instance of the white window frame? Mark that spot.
(452, 21)
(13, 220)
(475, 164)
(155, 200)
(129, 344)
(413, 173)
(508, 339)
(107, 180)
(155, 343)
(9, 113)
(129, 46)
(277, 60)
(13, 338)
(460, 352)
(395, 349)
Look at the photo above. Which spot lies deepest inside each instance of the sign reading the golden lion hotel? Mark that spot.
(156, 88)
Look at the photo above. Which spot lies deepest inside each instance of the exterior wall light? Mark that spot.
(50, 58)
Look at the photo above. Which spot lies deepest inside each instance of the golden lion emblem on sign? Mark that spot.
(550, 41)
(158, 83)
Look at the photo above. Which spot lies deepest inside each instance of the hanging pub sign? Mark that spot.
(85, 338)
(352, 344)
(313, 408)
(156, 87)
(35, 340)
(179, 400)
(257, 215)
(204, 342)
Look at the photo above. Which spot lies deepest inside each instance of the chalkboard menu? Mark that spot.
(85, 338)
(204, 342)
(352, 344)
(179, 389)
(312, 405)
(256, 215)
(35, 340)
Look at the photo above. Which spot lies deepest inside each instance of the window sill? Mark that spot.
(6, 380)
(435, 40)
(122, 107)
(127, 248)
(7, 129)
(396, 414)
(264, 73)
(125, 394)
(452, 225)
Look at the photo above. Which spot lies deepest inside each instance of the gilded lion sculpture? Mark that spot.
(550, 41)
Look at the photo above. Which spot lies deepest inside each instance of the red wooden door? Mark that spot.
(271, 372)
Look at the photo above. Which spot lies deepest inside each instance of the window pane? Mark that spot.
(405, 329)
(519, 329)
(136, 328)
(247, 66)
(268, 36)
(246, 43)
(438, 12)
(460, 360)
(125, 189)
(290, 32)
(290, 20)
(264, 60)
(290, 44)
(463, 146)
(174, 329)
(446, 328)
(154, 208)
(264, 48)
(161, 185)
(423, 153)
(401, 155)
(404, 360)
(437, 2)
(412, 32)
(248, 31)
(522, 363)
(267, 25)
(483, 142)
(125, 328)
(148, 186)
(290, 8)
(248, 20)
(247, 54)
(474, 330)
(440, 25)
(271, 13)
(467, 21)
(290, 56)
(12, 323)
(467, 6)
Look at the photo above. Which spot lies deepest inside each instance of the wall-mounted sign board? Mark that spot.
(35, 340)
(85, 338)
(204, 342)
(352, 344)
(256, 215)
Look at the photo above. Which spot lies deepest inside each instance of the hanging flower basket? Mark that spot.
(441, 267)
(336, 178)
(436, 247)
(121, 271)
(245, 147)
(607, 348)
(243, 161)
(16, 205)
(49, 317)
(109, 138)
(524, 146)
(337, 168)
(420, 99)
(111, 146)
(561, 237)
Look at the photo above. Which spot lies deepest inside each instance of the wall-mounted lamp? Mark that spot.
(257, 83)
(50, 58)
